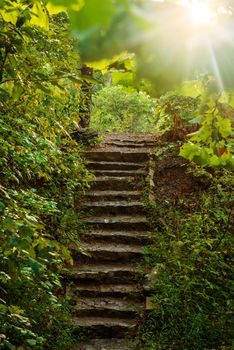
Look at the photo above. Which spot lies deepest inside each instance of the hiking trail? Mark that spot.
(107, 287)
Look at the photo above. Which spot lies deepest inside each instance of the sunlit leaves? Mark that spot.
(41, 168)
(111, 27)
(209, 145)
(224, 126)
(19, 10)
(166, 53)
(39, 16)
(10, 11)
(118, 109)
(94, 15)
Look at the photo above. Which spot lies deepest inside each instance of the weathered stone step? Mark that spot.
(109, 251)
(130, 140)
(106, 287)
(114, 207)
(116, 155)
(106, 307)
(120, 173)
(103, 165)
(134, 237)
(118, 183)
(120, 222)
(133, 136)
(105, 344)
(106, 327)
(129, 143)
(104, 273)
(113, 195)
(114, 290)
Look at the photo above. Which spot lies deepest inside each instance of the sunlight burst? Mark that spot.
(200, 12)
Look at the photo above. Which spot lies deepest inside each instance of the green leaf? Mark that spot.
(2, 207)
(203, 158)
(17, 91)
(39, 16)
(225, 127)
(25, 230)
(42, 87)
(4, 93)
(197, 120)
(189, 150)
(31, 342)
(215, 161)
(3, 309)
(4, 277)
(93, 15)
(35, 266)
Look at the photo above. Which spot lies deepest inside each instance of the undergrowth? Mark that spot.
(191, 262)
(42, 176)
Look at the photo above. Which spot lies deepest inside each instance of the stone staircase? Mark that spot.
(106, 286)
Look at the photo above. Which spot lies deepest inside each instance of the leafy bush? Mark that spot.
(42, 173)
(212, 144)
(118, 109)
(175, 111)
(192, 262)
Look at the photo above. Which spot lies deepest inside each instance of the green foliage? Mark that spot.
(42, 172)
(196, 108)
(175, 111)
(120, 70)
(119, 109)
(212, 144)
(166, 53)
(191, 258)
(140, 27)
(101, 15)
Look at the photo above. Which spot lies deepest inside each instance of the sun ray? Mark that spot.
(215, 68)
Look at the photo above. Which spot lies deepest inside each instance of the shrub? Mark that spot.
(191, 255)
(118, 109)
(42, 172)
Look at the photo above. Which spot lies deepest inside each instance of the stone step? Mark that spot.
(116, 154)
(103, 165)
(120, 173)
(105, 290)
(120, 222)
(130, 143)
(134, 237)
(108, 251)
(113, 195)
(118, 183)
(130, 136)
(105, 344)
(114, 207)
(137, 141)
(103, 272)
(105, 327)
(106, 287)
(106, 307)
